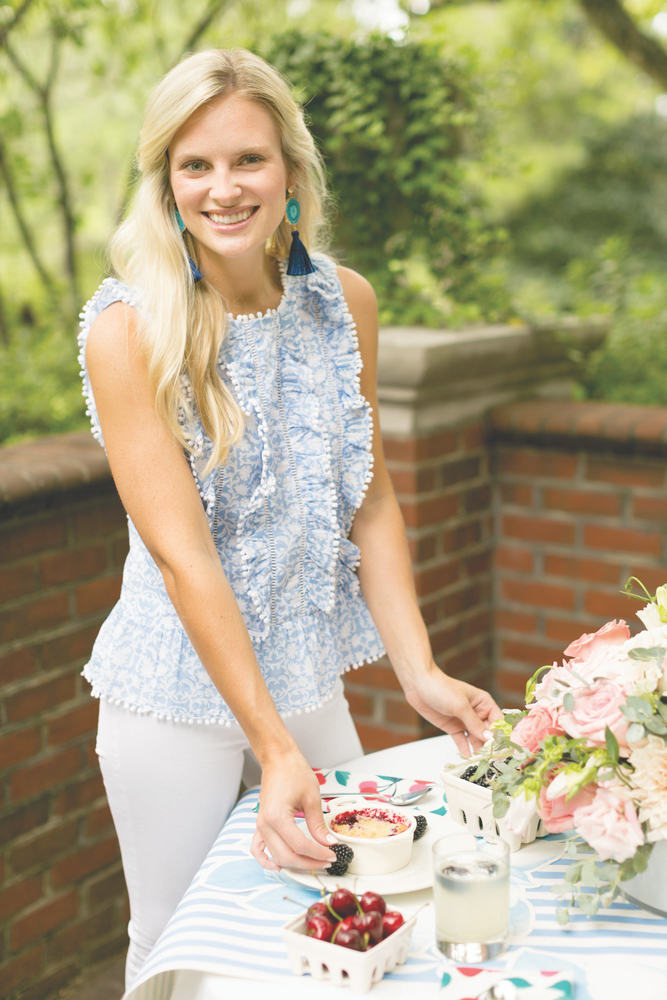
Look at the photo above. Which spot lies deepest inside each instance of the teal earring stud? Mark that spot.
(196, 273)
(299, 262)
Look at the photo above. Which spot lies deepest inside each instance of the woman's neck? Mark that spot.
(248, 286)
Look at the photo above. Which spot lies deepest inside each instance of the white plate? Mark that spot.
(417, 875)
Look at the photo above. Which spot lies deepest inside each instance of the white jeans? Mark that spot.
(171, 786)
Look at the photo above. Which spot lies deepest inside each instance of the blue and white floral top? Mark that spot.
(280, 511)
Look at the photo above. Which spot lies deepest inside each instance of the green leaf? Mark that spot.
(568, 702)
(571, 848)
(656, 725)
(588, 903)
(589, 874)
(563, 916)
(642, 706)
(342, 777)
(573, 873)
(612, 744)
(654, 653)
(635, 732)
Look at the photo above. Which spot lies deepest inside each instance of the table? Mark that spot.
(618, 955)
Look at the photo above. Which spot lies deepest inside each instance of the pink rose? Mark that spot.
(595, 708)
(610, 825)
(612, 634)
(535, 727)
(557, 814)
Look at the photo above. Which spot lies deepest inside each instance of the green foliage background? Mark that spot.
(495, 161)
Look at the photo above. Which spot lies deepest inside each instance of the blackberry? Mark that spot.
(344, 855)
(420, 829)
(486, 779)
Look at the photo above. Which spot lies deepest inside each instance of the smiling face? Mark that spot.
(229, 178)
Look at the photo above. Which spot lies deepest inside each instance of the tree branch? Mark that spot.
(610, 17)
(214, 8)
(23, 227)
(18, 16)
(64, 200)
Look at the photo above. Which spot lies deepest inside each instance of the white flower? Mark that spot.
(650, 616)
(650, 783)
(562, 784)
(520, 813)
(644, 676)
(661, 598)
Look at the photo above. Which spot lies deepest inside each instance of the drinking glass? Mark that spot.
(472, 896)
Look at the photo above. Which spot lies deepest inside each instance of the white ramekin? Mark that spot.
(381, 854)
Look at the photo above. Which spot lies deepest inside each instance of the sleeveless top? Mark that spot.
(280, 510)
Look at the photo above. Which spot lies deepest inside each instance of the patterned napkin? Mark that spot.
(468, 982)
(335, 782)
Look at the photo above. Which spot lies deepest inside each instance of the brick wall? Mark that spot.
(580, 506)
(443, 486)
(63, 538)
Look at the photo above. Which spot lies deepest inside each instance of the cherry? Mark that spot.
(318, 909)
(343, 902)
(373, 901)
(320, 928)
(349, 938)
(391, 921)
(371, 924)
(348, 922)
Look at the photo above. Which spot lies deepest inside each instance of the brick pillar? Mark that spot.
(63, 539)
(581, 506)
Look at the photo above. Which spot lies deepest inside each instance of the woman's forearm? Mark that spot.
(208, 609)
(387, 583)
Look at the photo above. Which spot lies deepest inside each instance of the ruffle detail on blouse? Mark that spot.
(111, 290)
(254, 531)
(338, 333)
(315, 488)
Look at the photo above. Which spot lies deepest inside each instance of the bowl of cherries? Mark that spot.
(350, 940)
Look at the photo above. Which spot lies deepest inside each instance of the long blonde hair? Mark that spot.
(182, 324)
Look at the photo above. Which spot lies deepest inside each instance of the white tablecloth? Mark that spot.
(620, 955)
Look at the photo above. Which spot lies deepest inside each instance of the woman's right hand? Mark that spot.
(289, 787)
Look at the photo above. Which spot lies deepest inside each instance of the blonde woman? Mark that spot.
(267, 550)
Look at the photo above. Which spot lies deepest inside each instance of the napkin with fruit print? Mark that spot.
(336, 782)
(469, 983)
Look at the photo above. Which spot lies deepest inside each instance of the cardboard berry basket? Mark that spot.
(472, 807)
(343, 967)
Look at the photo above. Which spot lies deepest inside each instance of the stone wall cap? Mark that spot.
(618, 425)
(50, 464)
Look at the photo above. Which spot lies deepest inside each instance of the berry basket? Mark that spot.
(343, 967)
(472, 807)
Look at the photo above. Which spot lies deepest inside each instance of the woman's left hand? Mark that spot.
(463, 711)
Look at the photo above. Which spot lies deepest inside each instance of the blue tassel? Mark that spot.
(196, 273)
(299, 261)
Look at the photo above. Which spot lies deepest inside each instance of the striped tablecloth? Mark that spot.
(228, 924)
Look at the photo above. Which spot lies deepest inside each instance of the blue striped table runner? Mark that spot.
(230, 918)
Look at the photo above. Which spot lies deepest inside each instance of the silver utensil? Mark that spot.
(406, 799)
(504, 990)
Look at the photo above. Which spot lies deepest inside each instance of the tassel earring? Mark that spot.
(299, 262)
(196, 273)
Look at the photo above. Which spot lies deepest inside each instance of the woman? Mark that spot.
(228, 396)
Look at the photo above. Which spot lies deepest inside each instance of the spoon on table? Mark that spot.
(406, 799)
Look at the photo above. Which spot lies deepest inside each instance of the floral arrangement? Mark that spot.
(589, 753)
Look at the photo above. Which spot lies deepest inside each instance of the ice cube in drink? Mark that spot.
(471, 895)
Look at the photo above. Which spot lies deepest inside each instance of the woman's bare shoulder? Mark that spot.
(113, 331)
(358, 291)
